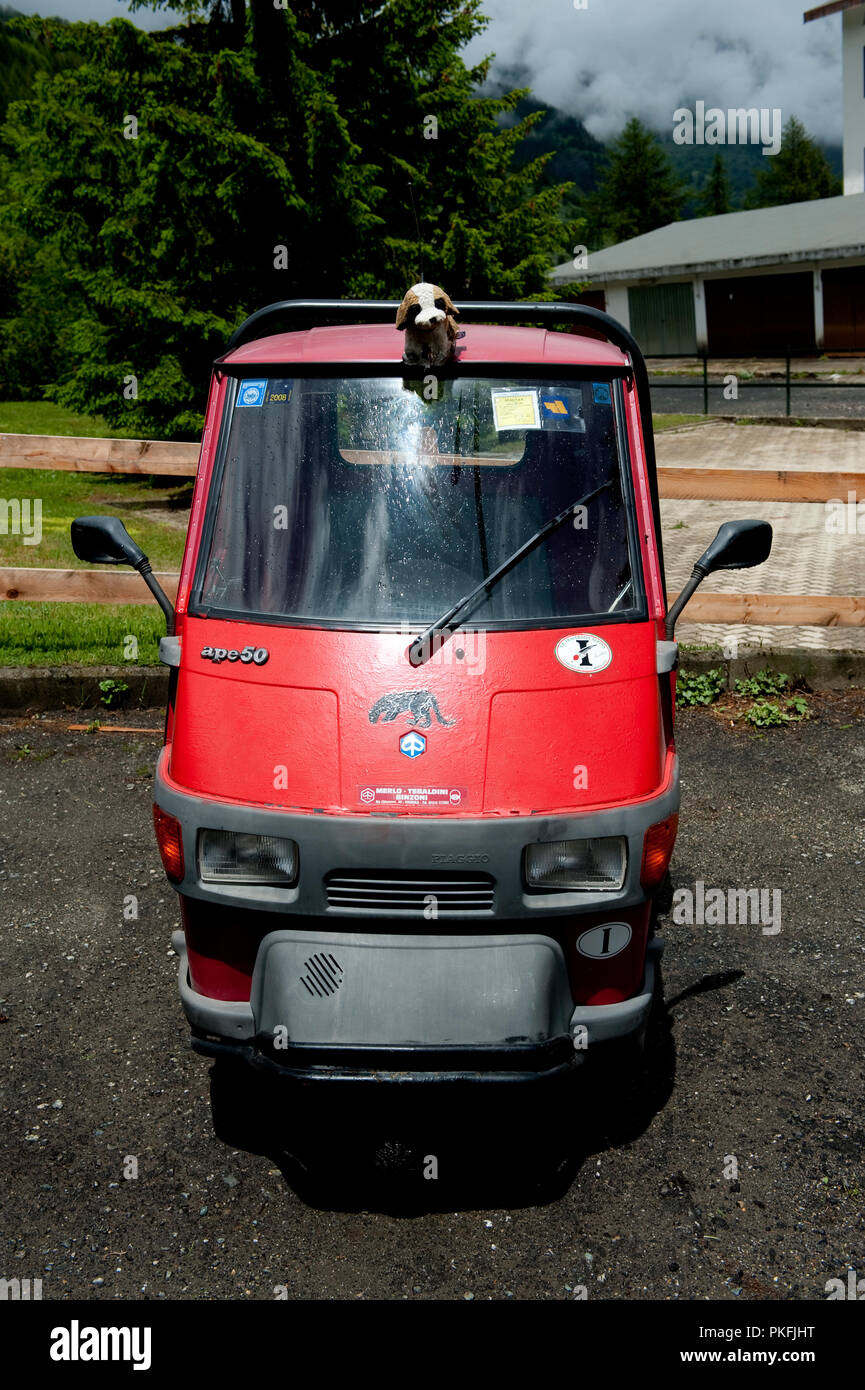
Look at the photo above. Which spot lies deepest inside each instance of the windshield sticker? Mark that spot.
(411, 796)
(601, 394)
(562, 412)
(584, 652)
(251, 393)
(278, 392)
(516, 410)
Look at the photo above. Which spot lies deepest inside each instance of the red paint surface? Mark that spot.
(296, 732)
(382, 343)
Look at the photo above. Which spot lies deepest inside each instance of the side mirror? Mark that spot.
(739, 545)
(104, 540)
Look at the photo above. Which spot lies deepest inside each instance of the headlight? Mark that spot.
(587, 865)
(229, 856)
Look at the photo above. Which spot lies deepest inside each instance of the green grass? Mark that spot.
(67, 495)
(43, 417)
(79, 634)
(670, 422)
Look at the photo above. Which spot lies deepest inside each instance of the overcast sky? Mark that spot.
(93, 9)
(618, 58)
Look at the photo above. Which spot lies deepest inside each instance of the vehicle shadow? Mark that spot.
(408, 1150)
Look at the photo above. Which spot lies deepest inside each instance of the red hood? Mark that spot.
(507, 729)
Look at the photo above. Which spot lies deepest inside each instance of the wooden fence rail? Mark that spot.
(757, 485)
(98, 455)
(80, 586)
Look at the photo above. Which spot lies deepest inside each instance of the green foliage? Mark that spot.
(639, 190)
(23, 54)
(768, 714)
(574, 155)
(699, 688)
(765, 682)
(111, 692)
(717, 195)
(271, 159)
(798, 173)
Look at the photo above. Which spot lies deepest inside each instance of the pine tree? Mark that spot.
(717, 194)
(639, 190)
(798, 173)
(273, 168)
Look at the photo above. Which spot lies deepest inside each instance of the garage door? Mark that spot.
(844, 309)
(662, 319)
(761, 315)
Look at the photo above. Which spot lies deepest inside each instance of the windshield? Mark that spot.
(378, 501)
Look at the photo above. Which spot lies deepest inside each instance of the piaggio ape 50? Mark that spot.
(419, 787)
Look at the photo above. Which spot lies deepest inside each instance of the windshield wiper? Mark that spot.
(421, 648)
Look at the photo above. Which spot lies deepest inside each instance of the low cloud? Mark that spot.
(622, 58)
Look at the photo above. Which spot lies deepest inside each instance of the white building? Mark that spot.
(853, 31)
(741, 284)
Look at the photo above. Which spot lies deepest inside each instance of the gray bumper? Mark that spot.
(347, 1001)
(492, 845)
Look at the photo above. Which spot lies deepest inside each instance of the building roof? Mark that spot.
(824, 229)
(383, 343)
(835, 7)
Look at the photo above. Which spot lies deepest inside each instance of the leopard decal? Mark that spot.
(419, 706)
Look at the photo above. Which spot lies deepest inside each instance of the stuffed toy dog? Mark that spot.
(426, 315)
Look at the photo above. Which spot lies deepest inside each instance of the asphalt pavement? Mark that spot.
(729, 1164)
(683, 395)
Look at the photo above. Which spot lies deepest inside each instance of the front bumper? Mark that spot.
(489, 1009)
(492, 847)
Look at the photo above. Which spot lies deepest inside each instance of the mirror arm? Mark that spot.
(698, 574)
(145, 569)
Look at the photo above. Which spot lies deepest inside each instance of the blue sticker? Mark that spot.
(554, 406)
(251, 393)
(601, 393)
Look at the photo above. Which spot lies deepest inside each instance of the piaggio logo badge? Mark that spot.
(412, 744)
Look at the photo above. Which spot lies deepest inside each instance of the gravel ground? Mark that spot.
(754, 1066)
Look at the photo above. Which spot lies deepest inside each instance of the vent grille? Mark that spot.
(323, 975)
(406, 894)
